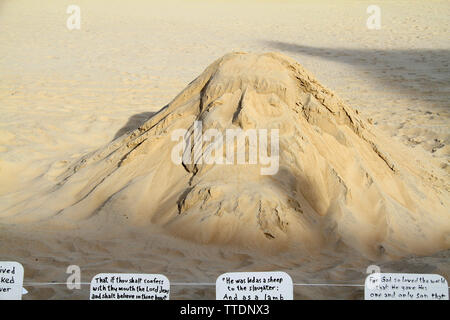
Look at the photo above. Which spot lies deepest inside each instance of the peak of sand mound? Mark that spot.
(337, 181)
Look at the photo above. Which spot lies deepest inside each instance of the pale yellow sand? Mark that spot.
(65, 93)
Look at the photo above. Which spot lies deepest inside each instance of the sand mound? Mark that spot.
(339, 181)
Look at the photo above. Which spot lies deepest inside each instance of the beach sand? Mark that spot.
(67, 93)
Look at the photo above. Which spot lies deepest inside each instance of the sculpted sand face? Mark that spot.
(337, 181)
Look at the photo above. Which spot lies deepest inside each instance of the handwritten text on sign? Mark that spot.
(129, 286)
(11, 280)
(405, 286)
(254, 286)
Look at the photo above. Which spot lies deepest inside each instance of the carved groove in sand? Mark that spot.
(340, 182)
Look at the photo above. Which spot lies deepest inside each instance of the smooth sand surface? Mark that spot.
(67, 94)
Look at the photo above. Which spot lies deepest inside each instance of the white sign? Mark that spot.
(11, 280)
(129, 286)
(254, 286)
(405, 286)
